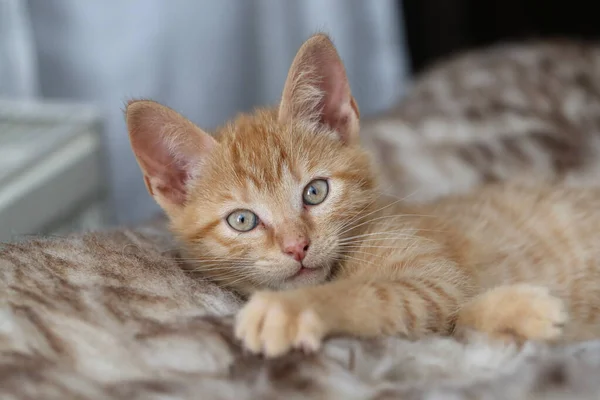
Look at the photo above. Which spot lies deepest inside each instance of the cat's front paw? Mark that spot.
(273, 323)
(518, 312)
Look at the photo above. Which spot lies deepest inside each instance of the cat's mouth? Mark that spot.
(304, 272)
(304, 275)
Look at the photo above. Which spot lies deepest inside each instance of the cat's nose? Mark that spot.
(297, 248)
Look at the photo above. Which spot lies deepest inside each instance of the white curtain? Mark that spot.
(209, 59)
(18, 63)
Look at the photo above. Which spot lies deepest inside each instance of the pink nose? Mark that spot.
(297, 249)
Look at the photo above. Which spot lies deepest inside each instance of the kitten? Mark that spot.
(529, 111)
(282, 205)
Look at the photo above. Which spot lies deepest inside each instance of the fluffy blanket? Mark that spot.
(112, 316)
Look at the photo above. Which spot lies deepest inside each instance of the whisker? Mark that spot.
(237, 280)
(221, 266)
(393, 234)
(232, 259)
(383, 217)
(367, 253)
(351, 246)
(213, 269)
(238, 275)
(384, 207)
(359, 259)
(398, 197)
(402, 238)
(359, 214)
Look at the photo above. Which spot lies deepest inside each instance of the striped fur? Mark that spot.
(528, 111)
(516, 262)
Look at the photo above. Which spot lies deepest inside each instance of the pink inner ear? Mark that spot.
(317, 69)
(337, 106)
(168, 147)
(164, 173)
(331, 83)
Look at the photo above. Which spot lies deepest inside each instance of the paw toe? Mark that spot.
(310, 332)
(278, 329)
(249, 324)
(517, 312)
(548, 320)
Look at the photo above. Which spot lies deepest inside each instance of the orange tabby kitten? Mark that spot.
(282, 205)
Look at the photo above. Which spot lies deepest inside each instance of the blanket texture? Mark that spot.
(79, 336)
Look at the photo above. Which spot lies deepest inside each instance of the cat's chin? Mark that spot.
(305, 277)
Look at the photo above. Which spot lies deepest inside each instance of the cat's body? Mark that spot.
(500, 235)
(522, 110)
(283, 205)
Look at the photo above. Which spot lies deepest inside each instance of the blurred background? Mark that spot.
(68, 66)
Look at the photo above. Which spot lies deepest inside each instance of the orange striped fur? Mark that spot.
(517, 263)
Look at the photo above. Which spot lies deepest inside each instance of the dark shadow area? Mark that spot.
(439, 28)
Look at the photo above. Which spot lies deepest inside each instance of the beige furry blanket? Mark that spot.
(112, 316)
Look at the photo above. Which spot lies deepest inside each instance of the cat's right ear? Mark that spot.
(169, 148)
(317, 90)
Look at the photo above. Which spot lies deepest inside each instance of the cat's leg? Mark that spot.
(517, 312)
(275, 322)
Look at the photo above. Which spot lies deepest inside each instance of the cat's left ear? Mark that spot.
(317, 90)
(170, 150)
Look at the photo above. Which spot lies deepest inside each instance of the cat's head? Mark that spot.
(268, 200)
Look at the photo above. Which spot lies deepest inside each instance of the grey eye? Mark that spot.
(315, 192)
(242, 220)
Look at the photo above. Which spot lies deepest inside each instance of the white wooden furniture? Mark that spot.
(52, 177)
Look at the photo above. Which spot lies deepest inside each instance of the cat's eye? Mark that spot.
(315, 192)
(242, 220)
